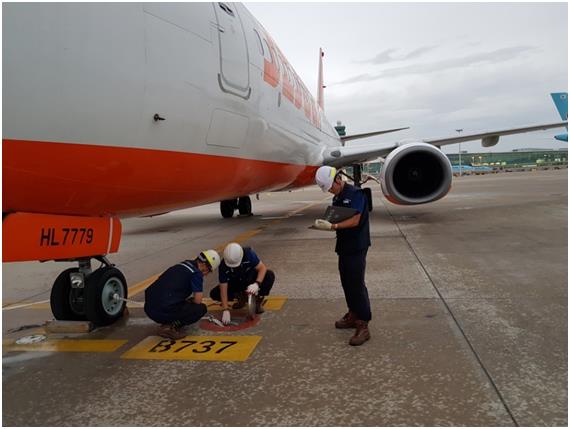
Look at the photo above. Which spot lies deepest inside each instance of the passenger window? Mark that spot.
(226, 9)
(259, 42)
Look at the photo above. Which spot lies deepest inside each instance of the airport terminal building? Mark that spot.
(493, 161)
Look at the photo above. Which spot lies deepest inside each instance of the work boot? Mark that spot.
(347, 321)
(171, 331)
(259, 301)
(241, 301)
(361, 335)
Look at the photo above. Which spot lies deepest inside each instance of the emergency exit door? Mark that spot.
(234, 61)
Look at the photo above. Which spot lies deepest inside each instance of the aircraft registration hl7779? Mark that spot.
(133, 109)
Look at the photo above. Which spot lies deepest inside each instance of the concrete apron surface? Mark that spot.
(469, 302)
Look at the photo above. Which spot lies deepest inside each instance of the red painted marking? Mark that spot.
(246, 324)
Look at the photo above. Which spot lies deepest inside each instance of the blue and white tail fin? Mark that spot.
(561, 102)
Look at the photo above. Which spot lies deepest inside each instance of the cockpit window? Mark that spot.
(259, 42)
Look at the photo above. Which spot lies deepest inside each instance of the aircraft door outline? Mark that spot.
(234, 56)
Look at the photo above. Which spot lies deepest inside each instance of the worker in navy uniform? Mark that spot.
(241, 273)
(175, 298)
(352, 243)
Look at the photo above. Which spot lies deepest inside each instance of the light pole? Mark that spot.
(459, 132)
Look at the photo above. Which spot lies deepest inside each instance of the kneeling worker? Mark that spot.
(167, 299)
(241, 273)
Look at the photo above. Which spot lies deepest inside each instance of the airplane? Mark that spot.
(115, 110)
(561, 101)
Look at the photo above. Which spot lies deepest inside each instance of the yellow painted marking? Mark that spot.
(104, 346)
(272, 303)
(275, 302)
(220, 348)
(139, 287)
(28, 305)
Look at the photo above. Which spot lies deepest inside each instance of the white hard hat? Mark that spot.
(233, 254)
(325, 177)
(211, 258)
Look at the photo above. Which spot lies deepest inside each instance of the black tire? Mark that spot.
(100, 307)
(66, 303)
(227, 208)
(244, 205)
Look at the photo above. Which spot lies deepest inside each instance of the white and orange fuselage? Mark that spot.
(114, 110)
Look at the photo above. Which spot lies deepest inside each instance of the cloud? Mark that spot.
(387, 56)
(382, 58)
(496, 56)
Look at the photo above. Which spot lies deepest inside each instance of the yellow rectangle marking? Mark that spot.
(103, 346)
(212, 348)
(272, 303)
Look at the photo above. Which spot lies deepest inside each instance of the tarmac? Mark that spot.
(469, 298)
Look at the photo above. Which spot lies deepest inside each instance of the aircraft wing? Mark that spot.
(373, 133)
(491, 138)
(347, 155)
(342, 155)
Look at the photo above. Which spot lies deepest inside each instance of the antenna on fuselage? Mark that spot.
(321, 87)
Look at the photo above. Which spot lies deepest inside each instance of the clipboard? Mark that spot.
(336, 214)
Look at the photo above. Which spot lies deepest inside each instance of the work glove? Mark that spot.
(253, 289)
(323, 224)
(226, 317)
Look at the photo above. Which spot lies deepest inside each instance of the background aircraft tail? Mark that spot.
(561, 102)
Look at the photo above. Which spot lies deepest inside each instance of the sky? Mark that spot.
(435, 67)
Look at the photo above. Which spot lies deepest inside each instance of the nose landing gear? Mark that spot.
(83, 294)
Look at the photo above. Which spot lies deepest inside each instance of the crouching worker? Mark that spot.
(175, 298)
(241, 273)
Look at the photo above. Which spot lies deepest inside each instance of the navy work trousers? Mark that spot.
(185, 313)
(352, 267)
(240, 285)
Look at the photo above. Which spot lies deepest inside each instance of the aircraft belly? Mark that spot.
(90, 180)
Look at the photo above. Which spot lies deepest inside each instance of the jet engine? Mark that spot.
(416, 173)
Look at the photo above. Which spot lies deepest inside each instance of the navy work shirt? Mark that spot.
(174, 286)
(351, 240)
(242, 272)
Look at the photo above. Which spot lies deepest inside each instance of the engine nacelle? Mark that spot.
(416, 173)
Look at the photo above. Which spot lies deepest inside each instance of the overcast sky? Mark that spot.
(435, 67)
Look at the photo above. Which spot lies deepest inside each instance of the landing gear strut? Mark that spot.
(242, 204)
(357, 178)
(83, 294)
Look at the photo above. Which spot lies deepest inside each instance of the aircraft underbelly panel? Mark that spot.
(77, 179)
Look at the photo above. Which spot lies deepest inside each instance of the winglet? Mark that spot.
(320, 92)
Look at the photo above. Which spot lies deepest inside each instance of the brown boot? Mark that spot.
(241, 301)
(361, 335)
(171, 331)
(347, 321)
(259, 301)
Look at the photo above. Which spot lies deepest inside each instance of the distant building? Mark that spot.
(517, 158)
(530, 149)
(492, 161)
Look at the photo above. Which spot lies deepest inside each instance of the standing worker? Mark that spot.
(175, 298)
(352, 243)
(241, 273)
